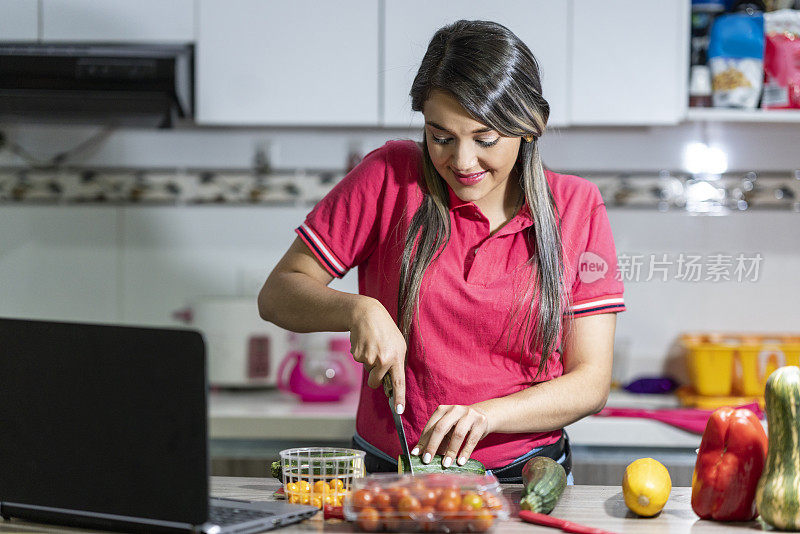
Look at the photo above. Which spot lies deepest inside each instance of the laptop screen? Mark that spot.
(106, 419)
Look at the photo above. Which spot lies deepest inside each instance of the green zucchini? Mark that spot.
(435, 466)
(543, 481)
(778, 490)
(277, 472)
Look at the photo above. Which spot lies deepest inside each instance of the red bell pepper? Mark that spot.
(732, 454)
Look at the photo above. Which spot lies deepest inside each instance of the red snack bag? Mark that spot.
(782, 60)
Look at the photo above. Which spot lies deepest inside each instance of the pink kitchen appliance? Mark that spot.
(319, 376)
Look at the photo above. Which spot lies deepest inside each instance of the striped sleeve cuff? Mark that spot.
(321, 251)
(602, 304)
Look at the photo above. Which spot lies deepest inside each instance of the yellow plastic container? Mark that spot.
(737, 365)
(754, 364)
(711, 368)
(791, 350)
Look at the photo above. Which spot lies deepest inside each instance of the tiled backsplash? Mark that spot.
(660, 190)
(148, 186)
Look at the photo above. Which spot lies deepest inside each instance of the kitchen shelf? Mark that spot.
(742, 115)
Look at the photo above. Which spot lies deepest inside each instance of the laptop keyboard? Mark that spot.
(223, 515)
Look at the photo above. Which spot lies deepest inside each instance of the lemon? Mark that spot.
(646, 486)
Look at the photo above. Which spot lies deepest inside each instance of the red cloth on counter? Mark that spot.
(460, 351)
(690, 419)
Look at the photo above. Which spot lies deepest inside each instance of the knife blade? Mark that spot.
(398, 422)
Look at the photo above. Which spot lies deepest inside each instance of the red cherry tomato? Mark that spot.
(363, 499)
(428, 497)
(459, 520)
(447, 504)
(369, 520)
(482, 521)
(409, 503)
(397, 494)
(382, 501)
(451, 492)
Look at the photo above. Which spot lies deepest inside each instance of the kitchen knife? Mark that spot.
(555, 522)
(398, 423)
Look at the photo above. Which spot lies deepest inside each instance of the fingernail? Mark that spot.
(462, 460)
(447, 461)
(426, 458)
(415, 451)
(399, 409)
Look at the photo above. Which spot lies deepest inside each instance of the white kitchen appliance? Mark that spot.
(243, 350)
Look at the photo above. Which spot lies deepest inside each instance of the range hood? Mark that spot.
(134, 85)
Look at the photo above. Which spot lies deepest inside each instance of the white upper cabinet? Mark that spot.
(629, 62)
(278, 62)
(19, 20)
(116, 21)
(410, 24)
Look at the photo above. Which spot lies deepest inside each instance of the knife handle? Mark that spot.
(387, 385)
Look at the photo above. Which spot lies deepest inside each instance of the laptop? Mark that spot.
(105, 427)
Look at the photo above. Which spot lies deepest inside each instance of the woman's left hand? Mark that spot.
(453, 429)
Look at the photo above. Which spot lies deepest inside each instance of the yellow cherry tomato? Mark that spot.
(294, 498)
(304, 486)
(340, 499)
(321, 487)
(329, 499)
(337, 485)
(472, 500)
(305, 498)
(290, 488)
(316, 501)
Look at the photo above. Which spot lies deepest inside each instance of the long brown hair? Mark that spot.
(495, 77)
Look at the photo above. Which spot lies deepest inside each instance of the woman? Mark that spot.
(473, 263)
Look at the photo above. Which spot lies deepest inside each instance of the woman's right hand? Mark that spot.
(376, 342)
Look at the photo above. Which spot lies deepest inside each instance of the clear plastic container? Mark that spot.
(435, 502)
(320, 475)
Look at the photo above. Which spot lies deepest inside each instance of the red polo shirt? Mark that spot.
(460, 352)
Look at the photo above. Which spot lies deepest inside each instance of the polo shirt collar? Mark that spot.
(521, 220)
(455, 202)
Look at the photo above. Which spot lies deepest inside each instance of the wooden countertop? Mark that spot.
(597, 506)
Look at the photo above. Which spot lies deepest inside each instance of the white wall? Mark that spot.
(139, 264)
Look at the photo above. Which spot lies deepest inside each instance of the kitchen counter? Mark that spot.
(272, 414)
(597, 506)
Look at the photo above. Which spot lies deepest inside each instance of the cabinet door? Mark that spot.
(410, 24)
(302, 62)
(629, 61)
(19, 20)
(118, 20)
